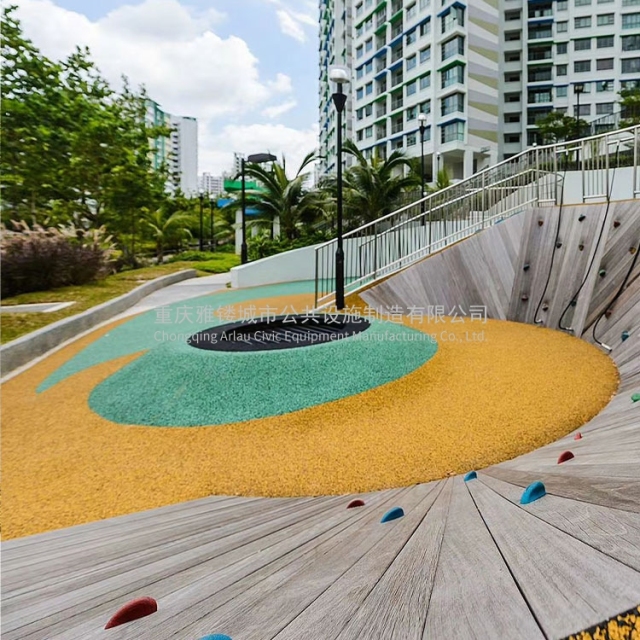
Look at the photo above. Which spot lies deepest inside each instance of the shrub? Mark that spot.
(262, 246)
(39, 258)
(193, 256)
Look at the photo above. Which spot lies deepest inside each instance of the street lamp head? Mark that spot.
(578, 88)
(258, 158)
(422, 118)
(339, 75)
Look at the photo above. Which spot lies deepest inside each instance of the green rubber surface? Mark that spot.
(176, 385)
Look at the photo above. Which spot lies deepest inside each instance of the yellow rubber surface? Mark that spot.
(481, 399)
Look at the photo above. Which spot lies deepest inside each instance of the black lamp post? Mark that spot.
(339, 75)
(200, 244)
(422, 118)
(256, 158)
(578, 89)
(213, 244)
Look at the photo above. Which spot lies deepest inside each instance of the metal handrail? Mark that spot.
(527, 179)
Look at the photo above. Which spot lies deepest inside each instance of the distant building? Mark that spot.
(184, 154)
(213, 185)
(178, 152)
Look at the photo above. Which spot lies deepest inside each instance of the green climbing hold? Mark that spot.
(635, 397)
(602, 273)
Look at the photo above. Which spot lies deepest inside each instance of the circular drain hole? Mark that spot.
(280, 332)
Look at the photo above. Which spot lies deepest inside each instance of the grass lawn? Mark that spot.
(14, 325)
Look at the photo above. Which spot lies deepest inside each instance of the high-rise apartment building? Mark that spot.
(184, 154)
(572, 56)
(213, 185)
(335, 49)
(483, 73)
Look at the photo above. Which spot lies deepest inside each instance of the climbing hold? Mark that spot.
(632, 251)
(216, 636)
(138, 608)
(602, 273)
(472, 475)
(578, 436)
(540, 223)
(581, 247)
(635, 397)
(558, 245)
(533, 492)
(526, 267)
(625, 336)
(616, 224)
(355, 503)
(393, 514)
(574, 303)
(608, 313)
(581, 218)
(524, 297)
(564, 456)
(545, 307)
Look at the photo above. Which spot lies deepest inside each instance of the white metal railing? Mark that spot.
(532, 178)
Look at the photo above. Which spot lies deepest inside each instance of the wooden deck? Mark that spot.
(466, 561)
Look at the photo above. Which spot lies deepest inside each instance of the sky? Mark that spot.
(247, 69)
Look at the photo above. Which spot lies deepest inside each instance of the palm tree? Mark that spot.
(285, 198)
(372, 189)
(167, 229)
(442, 182)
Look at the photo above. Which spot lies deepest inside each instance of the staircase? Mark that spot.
(577, 171)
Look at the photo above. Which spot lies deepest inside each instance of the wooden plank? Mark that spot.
(620, 494)
(567, 584)
(613, 532)
(474, 595)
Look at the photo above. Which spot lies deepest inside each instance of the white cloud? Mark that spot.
(257, 138)
(172, 50)
(279, 109)
(290, 26)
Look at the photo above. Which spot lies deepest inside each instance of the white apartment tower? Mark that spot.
(335, 49)
(184, 154)
(213, 185)
(483, 73)
(572, 56)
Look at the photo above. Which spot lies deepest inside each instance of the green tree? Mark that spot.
(630, 107)
(442, 182)
(167, 229)
(559, 127)
(373, 188)
(287, 199)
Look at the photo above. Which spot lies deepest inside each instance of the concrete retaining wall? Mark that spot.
(22, 350)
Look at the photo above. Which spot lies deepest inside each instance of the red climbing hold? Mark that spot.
(540, 223)
(564, 456)
(578, 436)
(616, 224)
(355, 503)
(138, 608)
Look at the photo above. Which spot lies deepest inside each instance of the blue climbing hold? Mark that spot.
(216, 636)
(472, 475)
(393, 514)
(533, 492)
(625, 335)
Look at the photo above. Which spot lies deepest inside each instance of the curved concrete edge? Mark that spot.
(19, 352)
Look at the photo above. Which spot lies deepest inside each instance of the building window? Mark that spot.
(412, 61)
(604, 64)
(359, 73)
(412, 87)
(585, 110)
(360, 94)
(412, 113)
(425, 54)
(412, 36)
(582, 23)
(368, 132)
(452, 132)
(453, 75)
(368, 45)
(631, 21)
(368, 110)
(604, 86)
(561, 48)
(582, 3)
(561, 92)
(582, 66)
(631, 65)
(562, 27)
(604, 108)
(605, 19)
(425, 28)
(582, 45)
(631, 43)
(411, 139)
(562, 5)
(453, 47)
(425, 81)
(425, 107)
(452, 104)
(605, 42)
(561, 70)
(369, 88)
(411, 11)
(359, 51)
